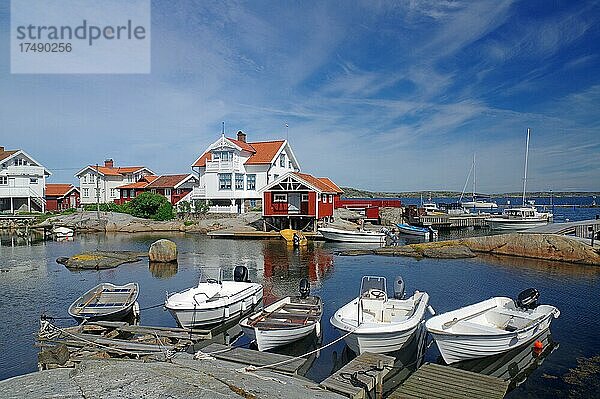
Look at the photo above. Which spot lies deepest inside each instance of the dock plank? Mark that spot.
(437, 381)
(340, 382)
(253, 357)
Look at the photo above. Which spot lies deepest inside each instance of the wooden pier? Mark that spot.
(255, 234)
(582, 229)
(363, 374)
(453, 221)
(435, 381)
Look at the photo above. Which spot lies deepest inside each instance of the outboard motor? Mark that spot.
(240, 274)
(528, 299)
(304, 288)
(398, 288)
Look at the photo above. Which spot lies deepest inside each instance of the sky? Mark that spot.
(386, 96)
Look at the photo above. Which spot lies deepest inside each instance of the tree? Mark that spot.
(151, 206)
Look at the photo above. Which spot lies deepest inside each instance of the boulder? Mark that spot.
(163, 251)
(451, 252)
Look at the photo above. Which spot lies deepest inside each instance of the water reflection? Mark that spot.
(162, 270)
(16, 238)
(513, 366)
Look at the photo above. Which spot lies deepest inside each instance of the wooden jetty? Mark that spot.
(255, 358)
(583, 228)
(435, 381)
(454, 221)
(359, 377)
(254, 234)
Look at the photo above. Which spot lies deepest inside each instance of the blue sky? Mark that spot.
(390, 96)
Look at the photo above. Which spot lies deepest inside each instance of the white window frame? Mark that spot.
(3, 180)
(33, 180)
(84, 179)
(279, 197)
(324, 198)
(113, 192)
(251, 181)
(223, 187)
(304, 198)
(331, 198)
(238, 180)
(86, 192)
(167, 192)
(282, 160)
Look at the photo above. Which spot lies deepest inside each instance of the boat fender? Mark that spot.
(318, 329)
(254, 301)
(243, 306)
(304, 288)
(430, 310)
(226, 312)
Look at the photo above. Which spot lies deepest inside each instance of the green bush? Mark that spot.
(164, 212)
(184, 206)
(151, 206)
(201, 206)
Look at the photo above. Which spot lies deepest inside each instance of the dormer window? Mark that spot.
(223, 155)
(282, 160)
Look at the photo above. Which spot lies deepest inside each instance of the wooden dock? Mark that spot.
(435, 381)
(254, 234)
(454, 221)
(254, 358)
(583, 228)
(363, 374)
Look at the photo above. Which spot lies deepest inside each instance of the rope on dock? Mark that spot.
(250, 369)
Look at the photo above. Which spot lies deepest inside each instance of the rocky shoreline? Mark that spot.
(537, 246)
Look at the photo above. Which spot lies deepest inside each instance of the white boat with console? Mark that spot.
(364, 236)
(416, 230)
(378, 324)
(488, 328)
(285, 321)
(214, 300)
(521, 218)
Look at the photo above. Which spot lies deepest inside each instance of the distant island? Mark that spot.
(350, 192)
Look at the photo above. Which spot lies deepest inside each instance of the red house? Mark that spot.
(60, 197)
(174, 187)
(298, 200)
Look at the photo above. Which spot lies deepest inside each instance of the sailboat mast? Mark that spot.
(474, 177)
(525, 174)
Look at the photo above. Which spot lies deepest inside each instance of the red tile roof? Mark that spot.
(143, 182)
(6, 154)
(167, 181)
(120, 171)
(58, 190)
(322, 183)
(262, 152)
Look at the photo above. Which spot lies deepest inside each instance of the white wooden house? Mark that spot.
(22, 182)
(231, 172)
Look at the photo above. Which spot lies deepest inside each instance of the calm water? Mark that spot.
(33, 283)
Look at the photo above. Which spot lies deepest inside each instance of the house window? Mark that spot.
(18, 162)
(113, 192)
(290, 164)
(323, 198)
(223, 155)
(282, 160)
(167, 192)
(86, 192)
(304, 197)
(132, 193)
(279, 197)
(97, 192)
(239, 181)
(330, 199)
(275, 177)
(84, 179)
(3, 180)
(224, 181)
(252, 203)
(251, 182)
(33, 180)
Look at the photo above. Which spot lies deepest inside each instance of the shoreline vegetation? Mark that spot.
(350, 192)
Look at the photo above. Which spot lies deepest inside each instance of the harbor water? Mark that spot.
(33, 283)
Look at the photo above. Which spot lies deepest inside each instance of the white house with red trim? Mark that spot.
(101, 183)
(231, 172)
(22, 182)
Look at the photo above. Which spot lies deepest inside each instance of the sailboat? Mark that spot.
(524, 217)
(479, 201)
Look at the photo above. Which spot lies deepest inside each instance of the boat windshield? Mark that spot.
(370, 283)
(211, 275)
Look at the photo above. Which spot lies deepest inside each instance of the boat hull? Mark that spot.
(507, 224)
(206, 314)
(99, 303)
(352, 236)
(379, 342)
(270, 339)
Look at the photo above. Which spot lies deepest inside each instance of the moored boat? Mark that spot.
(521, 218)
(416, 230)
(372, 322)
(285, 321)
(490, 327)
(105, 302)
(214, 300)
(365, 236)
(62, 232)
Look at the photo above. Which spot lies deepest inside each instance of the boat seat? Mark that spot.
(515, 313)
(465, 326)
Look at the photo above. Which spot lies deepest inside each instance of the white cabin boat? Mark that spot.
(364, 236)
(285, 321)
(479, 204)
(105, 302)
(215, 301)
(62, 232)
(521, 218)
(488, 328)
(378, 324)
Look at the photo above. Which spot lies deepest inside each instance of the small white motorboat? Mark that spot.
(416, 230)
(521, 218)
(105, 302)
(285, 321)
(62, 232)
(488, 328)
(378, 324)
(214, 300)
(364, 236)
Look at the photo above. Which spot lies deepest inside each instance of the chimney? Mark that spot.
(108, 163)
(241, 136)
